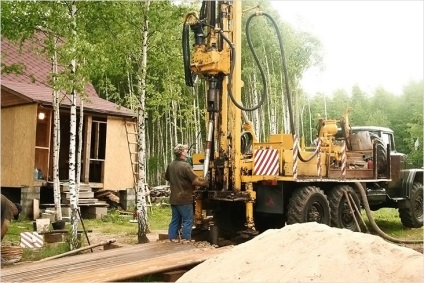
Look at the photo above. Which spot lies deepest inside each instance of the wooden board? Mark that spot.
(113, 265)
(117, 168)
(18, 145)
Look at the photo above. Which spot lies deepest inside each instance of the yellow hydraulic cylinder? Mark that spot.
(250, 224)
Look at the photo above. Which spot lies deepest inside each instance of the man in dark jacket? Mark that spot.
(182, 178)
(9, 210)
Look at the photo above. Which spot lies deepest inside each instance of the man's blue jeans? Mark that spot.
(182, 215)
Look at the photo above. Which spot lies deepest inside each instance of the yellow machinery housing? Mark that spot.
(262, 184)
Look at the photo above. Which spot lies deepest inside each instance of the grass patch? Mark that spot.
(112, 223)
(158, 219)
(387, 219)
(45, 251)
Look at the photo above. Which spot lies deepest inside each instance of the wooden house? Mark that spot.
(26, 132)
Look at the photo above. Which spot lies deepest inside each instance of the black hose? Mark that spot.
(374, 225)
(283, 61)
(186, 55)
(310, 157)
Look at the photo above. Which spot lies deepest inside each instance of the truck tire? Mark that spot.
(411, 215)
(308, 204)
(341, 216)
(381, 155)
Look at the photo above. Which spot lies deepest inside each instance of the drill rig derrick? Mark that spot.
(217, 33)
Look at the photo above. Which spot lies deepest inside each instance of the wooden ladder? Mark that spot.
(132, 134)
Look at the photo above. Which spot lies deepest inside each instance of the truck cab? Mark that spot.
(405, 188)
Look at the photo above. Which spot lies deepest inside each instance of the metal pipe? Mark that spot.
(208, 148)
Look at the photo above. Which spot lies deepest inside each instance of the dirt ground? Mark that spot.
(122, 240)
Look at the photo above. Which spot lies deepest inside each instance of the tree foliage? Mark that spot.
(109, 37)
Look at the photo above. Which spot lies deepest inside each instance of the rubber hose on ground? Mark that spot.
(374, 225)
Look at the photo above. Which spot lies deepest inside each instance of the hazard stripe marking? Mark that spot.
(31, 240)
(266, 162)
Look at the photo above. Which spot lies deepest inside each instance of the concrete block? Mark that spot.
(49, 216)
(42, 224)
(28, 194)
(53, 237)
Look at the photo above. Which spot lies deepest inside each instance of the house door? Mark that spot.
(95, 149)
(42, 143)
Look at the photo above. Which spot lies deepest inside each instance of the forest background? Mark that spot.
(109, 51)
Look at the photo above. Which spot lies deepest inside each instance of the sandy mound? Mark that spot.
(312, 252)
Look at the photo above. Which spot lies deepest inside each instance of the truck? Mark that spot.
(257, 185)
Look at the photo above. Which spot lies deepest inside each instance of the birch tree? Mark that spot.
(143, 228)
(72, 133)
(56, 139)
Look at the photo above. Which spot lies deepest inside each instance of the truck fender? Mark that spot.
(409, 177)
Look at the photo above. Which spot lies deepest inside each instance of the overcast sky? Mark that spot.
(368, 43)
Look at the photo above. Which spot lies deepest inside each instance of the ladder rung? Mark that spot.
(132, 142)
(132, 133)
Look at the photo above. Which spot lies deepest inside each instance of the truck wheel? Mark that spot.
(308, 204)
(341, 216)
(411, 215)
(381, 155)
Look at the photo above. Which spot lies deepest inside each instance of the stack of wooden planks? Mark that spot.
(113, 265)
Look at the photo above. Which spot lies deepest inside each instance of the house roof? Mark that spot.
(32, 84)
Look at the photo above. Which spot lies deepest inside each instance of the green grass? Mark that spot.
(113, 223)
(387, 219)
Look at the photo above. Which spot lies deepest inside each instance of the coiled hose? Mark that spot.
(374, 225)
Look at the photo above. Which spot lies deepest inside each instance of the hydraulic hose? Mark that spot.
(374, 225)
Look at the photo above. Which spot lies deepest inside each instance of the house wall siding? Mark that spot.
(117, 171)
(18, 129)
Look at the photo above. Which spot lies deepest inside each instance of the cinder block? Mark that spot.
(48, 216)
(42, 225)
(53, 237)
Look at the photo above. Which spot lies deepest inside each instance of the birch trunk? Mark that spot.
(174, 123)
(72, 144)
(56, 141)
(143, 228)
(79, 153)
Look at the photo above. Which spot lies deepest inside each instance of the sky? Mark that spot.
(366, 43)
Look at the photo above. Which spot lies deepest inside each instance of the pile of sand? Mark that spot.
(311, 252)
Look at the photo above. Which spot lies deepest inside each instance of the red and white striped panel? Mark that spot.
(266, 162)
(31, 240)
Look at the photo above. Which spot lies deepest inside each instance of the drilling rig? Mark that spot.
(257, 185)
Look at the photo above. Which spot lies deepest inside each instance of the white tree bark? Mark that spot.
(174, 123)
(72, 143)
(56, 141)
(143, 228)
(79, 153)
